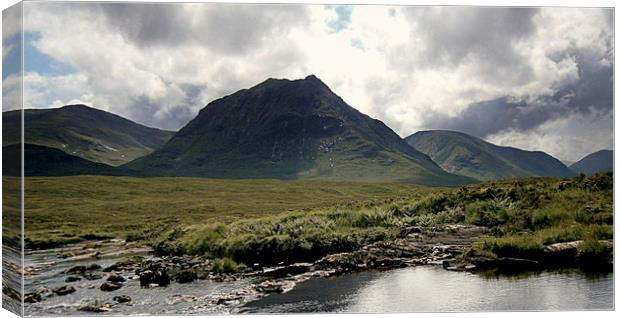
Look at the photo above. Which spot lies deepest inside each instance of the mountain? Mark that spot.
(600, 161)
(466, 155)
(287, 129)
(85, 132)
(46, 161)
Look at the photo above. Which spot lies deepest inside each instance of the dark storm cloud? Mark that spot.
(592, 93)
(223, 28)
(453, 34)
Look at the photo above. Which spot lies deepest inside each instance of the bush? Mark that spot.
(520, 246)
(226, 266)
(592, 255)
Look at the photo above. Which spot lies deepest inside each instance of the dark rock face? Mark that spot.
(110, 286)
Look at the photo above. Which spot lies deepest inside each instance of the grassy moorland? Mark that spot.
(524, 215)
(271, 221)
(62, 210)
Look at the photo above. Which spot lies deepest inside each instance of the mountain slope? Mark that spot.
(46, 161)
(85, 132)
(600, 161)
(289, 130)
(470, 156)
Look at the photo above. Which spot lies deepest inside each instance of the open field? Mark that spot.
(69, 209)
(523, 215)
(258, 220)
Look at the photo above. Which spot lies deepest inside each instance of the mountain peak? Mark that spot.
(291, 129)
(313, 78)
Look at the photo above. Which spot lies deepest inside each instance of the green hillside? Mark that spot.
(466, 155)
(84, 132)
(600, 161)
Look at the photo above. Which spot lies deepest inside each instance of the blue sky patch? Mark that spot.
(36, 61)
(343, 19)
(11, 63)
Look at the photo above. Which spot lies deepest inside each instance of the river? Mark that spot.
(433, 289)
(411, 289)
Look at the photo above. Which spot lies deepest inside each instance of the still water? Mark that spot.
(432, 289)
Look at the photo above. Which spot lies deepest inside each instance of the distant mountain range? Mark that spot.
(600, 161)
(85, 132)
(467, 155)
(278, 129)
(290, 130)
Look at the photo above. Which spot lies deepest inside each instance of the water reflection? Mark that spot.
(423, 289)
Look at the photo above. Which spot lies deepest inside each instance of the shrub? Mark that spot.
(226, 266)
(519, 246)
(592, 255)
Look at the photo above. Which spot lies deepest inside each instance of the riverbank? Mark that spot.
(116, 276)
(515, 225)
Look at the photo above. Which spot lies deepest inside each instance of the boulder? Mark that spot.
(71, 279)
(92, 305)
(110, 286)
(122, 299)
(115, 278)
(159, 277)
(186, 276)
(90, 276)
(93, 267)
(64, 290)
(32, 298)
(79, 269)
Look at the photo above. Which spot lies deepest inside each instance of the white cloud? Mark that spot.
(417, 64)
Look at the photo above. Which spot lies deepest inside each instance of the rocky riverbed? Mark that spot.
(123, 278)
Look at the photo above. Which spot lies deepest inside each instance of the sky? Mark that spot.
(532, 78)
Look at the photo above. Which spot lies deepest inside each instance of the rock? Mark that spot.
(93, 267)
(186, 276)
(159, 277)
(90, 276)
(32, 298)
(92, 305)
(115, 278)
(110, 286)
(122, 299)
(79, 269)
(229, 301)
(274, 286)
(293, 269)
(64, 290)
(71, 279)
(127, 264)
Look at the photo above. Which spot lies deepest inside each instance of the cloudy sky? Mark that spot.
(538, 79)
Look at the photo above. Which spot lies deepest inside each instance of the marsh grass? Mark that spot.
(61, 210)
(266, 221)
